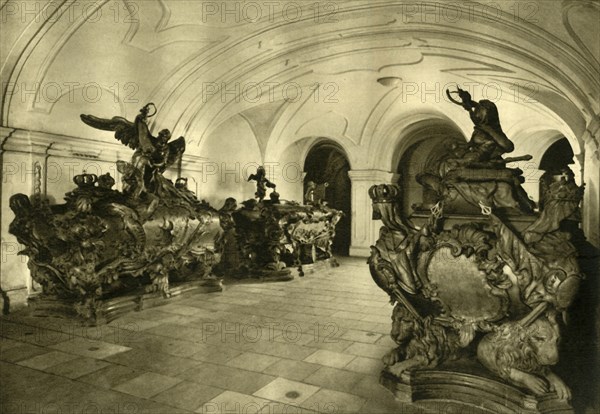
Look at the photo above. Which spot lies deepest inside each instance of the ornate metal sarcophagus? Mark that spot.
(481, 283)
(265, 238)
(106, 252)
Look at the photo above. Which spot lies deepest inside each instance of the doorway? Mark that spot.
(327, 163)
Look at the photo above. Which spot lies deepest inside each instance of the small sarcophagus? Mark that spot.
(106, 252)
(267, 238)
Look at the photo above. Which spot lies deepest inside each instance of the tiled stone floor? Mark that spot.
(310, 345)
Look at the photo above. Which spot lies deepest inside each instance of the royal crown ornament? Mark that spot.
(85, 180)
(384, 193)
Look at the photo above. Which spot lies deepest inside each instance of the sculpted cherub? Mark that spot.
(152, 156)
(261, 183)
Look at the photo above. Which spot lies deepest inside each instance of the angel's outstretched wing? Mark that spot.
(252, 177)
(176, 149)
(125, 131)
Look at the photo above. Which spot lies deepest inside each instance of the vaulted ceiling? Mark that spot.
(296, 71)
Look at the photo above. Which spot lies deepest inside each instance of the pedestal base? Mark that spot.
(243, 275)
(439, 389)
(106, 310)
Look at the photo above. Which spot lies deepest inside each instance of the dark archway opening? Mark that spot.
(555, 161)
(327, 163)
(557, 156)
(423, 156)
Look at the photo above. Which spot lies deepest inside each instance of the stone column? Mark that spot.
(365, 230)
(23, 159)
(191, 167)
(591, 178)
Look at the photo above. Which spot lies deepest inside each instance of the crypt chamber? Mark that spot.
(420, 178)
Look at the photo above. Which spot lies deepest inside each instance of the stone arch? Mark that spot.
(407, 130)
(421, 145)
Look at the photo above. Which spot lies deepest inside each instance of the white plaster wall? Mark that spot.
(230, 154)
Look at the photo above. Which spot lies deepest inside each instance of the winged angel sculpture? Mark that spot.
(152, 156)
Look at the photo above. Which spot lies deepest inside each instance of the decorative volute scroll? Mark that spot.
(480, 278)
(103, 244)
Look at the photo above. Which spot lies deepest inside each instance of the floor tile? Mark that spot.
(183, 332)
(188, 395)
(133, 324)
(294, 370)
(381, 400)
(228, 378)
(252, 361)
(286, 391)
(77, 367)
(367, 350)
(387, 341)
(372, 390)
(152, 314)
(335, 345)
(147, 384)
(110, 376)
(334, 401)
(217, 355)
(283, 408)
(361, 336)
(233, 402)
(335, 379)
(181, 310)
(155, 362)
(329, 358)
(32, 391)
(89, 348)
(321, 336)
(21, 352)
(7, 343)
(348, 315)
(46, 360)
(281, 350)
(36, 334)
(377, 318)
(364, 365)
(166, 345)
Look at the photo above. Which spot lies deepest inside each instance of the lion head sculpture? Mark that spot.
(423, 340)
(522, 353)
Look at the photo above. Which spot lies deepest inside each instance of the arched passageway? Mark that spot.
(557, 160)
(327, 163)
(421, 149)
